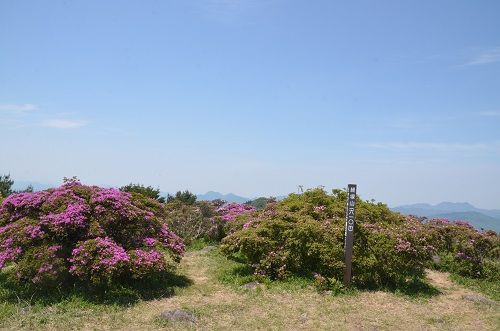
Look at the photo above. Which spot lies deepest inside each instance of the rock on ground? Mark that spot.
(478, 299)
(251, 285)
(178, 315)
(207, 249)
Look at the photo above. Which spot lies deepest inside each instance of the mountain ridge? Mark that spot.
(454, 211)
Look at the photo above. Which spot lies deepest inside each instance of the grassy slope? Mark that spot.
(220, 304)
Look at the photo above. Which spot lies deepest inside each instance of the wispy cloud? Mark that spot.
(490, 113)
(18, 108)
(63, 124)
(486, 57)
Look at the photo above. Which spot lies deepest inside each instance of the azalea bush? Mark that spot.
(464, 250)
(79, 233)
(230, 211)
(304, 235)
(196, 221)
(204, 220)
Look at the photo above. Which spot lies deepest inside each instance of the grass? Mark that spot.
(209, 285)
(11, 292)
(489, 288)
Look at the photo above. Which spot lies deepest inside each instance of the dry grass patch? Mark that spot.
(281, 306)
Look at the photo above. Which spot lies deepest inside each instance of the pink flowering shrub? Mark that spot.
(304, 235)
(203, 220)
(85, 233)
(464, 250)
(230, 211)
(195, 221)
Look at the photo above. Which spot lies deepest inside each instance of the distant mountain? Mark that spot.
(230, 197)
(479, 218)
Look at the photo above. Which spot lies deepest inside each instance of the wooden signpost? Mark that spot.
(350, 219)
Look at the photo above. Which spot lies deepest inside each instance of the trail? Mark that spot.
(220, 306)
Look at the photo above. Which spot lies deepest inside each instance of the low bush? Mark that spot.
(203, 220)
(79, 233)
(304, 235)
(464, 250)
(197, 221)
(230, 211)
(260, 203)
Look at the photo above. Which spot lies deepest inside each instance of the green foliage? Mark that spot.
(490, 288)
(304, 234)
(118, 294)
(184, 197)
(464, 250)
(5, 185)
(195, 221)
(148, 191)
(28, 189)
(260, 203)
(328, 284)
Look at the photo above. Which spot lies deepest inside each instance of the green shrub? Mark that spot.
(197, 221)
(183, 197)
(464, 250)
(207, 221)
(304, 234)
(148, 191)
(260, 203)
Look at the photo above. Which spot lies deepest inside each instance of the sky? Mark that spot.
(255, 97)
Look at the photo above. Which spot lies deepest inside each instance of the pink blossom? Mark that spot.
(74, 215)
(147, 258)
(98, 255)
(149, 241)
(230, 211)
(33, 231)
(113, 197)
(403, 246)
(172, 241)
(319, 208)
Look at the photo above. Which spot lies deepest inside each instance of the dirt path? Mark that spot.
(220, 307)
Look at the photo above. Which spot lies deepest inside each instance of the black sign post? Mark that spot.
(350, 219)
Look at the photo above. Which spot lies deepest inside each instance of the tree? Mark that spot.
(28, 189)
(260, 203)
(184, 197)
(6, 185)
(147, 191)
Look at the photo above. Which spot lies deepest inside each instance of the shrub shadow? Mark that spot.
(417, 288)
(237, 257)
(237, 275)
(124, 294)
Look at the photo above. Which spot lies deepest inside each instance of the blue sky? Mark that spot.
(255, 97)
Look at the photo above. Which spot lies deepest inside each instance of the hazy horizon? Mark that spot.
(21, 184)
(255, 97)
